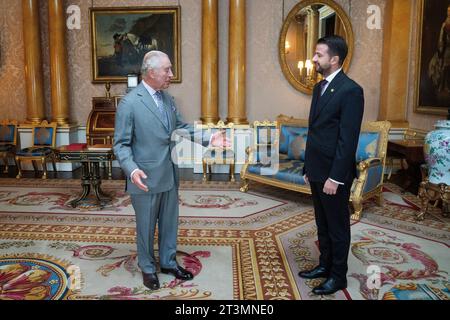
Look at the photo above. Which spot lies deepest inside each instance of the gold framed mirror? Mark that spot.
(307, 22)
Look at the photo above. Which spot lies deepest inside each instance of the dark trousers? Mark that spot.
(333, 228)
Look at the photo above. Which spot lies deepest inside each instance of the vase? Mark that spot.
(437, 153)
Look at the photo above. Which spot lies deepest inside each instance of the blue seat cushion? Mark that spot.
(35, 152)
(367, 145)
(290, 171)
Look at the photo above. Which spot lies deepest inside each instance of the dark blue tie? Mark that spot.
(323, 83)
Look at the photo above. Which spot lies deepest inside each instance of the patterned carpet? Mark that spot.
(239, 246)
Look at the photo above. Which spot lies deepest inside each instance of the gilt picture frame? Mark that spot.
(432, 81)
(120, 37)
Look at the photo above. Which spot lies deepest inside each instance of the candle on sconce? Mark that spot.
(301, 67)
(309, 67)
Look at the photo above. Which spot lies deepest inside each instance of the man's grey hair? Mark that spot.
(152, 60)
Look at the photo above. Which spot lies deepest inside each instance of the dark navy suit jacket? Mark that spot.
(334, 127)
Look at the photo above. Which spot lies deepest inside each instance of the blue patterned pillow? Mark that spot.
(297, 146)
(367, 145)
(286, 132)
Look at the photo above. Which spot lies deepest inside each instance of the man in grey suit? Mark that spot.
(145, 121)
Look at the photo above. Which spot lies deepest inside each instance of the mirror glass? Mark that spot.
(306, 23)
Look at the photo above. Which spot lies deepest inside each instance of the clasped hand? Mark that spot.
(329, 188)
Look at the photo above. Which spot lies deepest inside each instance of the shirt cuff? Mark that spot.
(131, 175)
(336, 181)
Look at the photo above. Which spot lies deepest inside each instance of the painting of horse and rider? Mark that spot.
(122, 36)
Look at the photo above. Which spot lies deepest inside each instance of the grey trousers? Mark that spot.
(149, 209)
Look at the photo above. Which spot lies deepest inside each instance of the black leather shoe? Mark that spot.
(179, 273)
(331, 285)
(317, 272)
(151, 281)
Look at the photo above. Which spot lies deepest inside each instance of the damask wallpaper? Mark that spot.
(12, 85)
(268, 92)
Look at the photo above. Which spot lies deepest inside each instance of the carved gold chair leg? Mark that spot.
(422, 194)
(44, 167)
(54, 163)
(232, 178)
(35, 167)
(380, 199)
(19, 170)
(429, 193)
(244, 185)
(357, 206)
(5, 160)
(204, 170)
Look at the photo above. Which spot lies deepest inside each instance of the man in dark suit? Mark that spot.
(334, 125)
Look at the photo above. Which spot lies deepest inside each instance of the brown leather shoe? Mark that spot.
(179, 273)
(151, 281)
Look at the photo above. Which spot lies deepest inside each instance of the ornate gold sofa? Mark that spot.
(277, 157)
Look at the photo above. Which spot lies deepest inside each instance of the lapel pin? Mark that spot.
(332, 90)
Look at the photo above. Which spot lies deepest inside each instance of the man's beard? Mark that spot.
(319, 69)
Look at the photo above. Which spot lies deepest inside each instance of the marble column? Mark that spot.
(58, 62)
(237, 63)
(33, 62)
(395, 66)
(210, 58)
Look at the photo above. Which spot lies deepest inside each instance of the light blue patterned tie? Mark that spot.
(160, 105)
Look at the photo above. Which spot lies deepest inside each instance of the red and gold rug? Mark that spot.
(239, 246)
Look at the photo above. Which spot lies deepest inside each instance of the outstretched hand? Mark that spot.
(219, 139)
(137, 178)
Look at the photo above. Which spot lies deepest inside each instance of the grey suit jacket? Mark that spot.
(141, 140)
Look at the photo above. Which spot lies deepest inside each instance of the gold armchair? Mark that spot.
(222, 155)
(44, 140)
(8, 141)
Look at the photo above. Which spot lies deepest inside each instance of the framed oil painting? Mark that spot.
(120, 38)
(432, 94)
